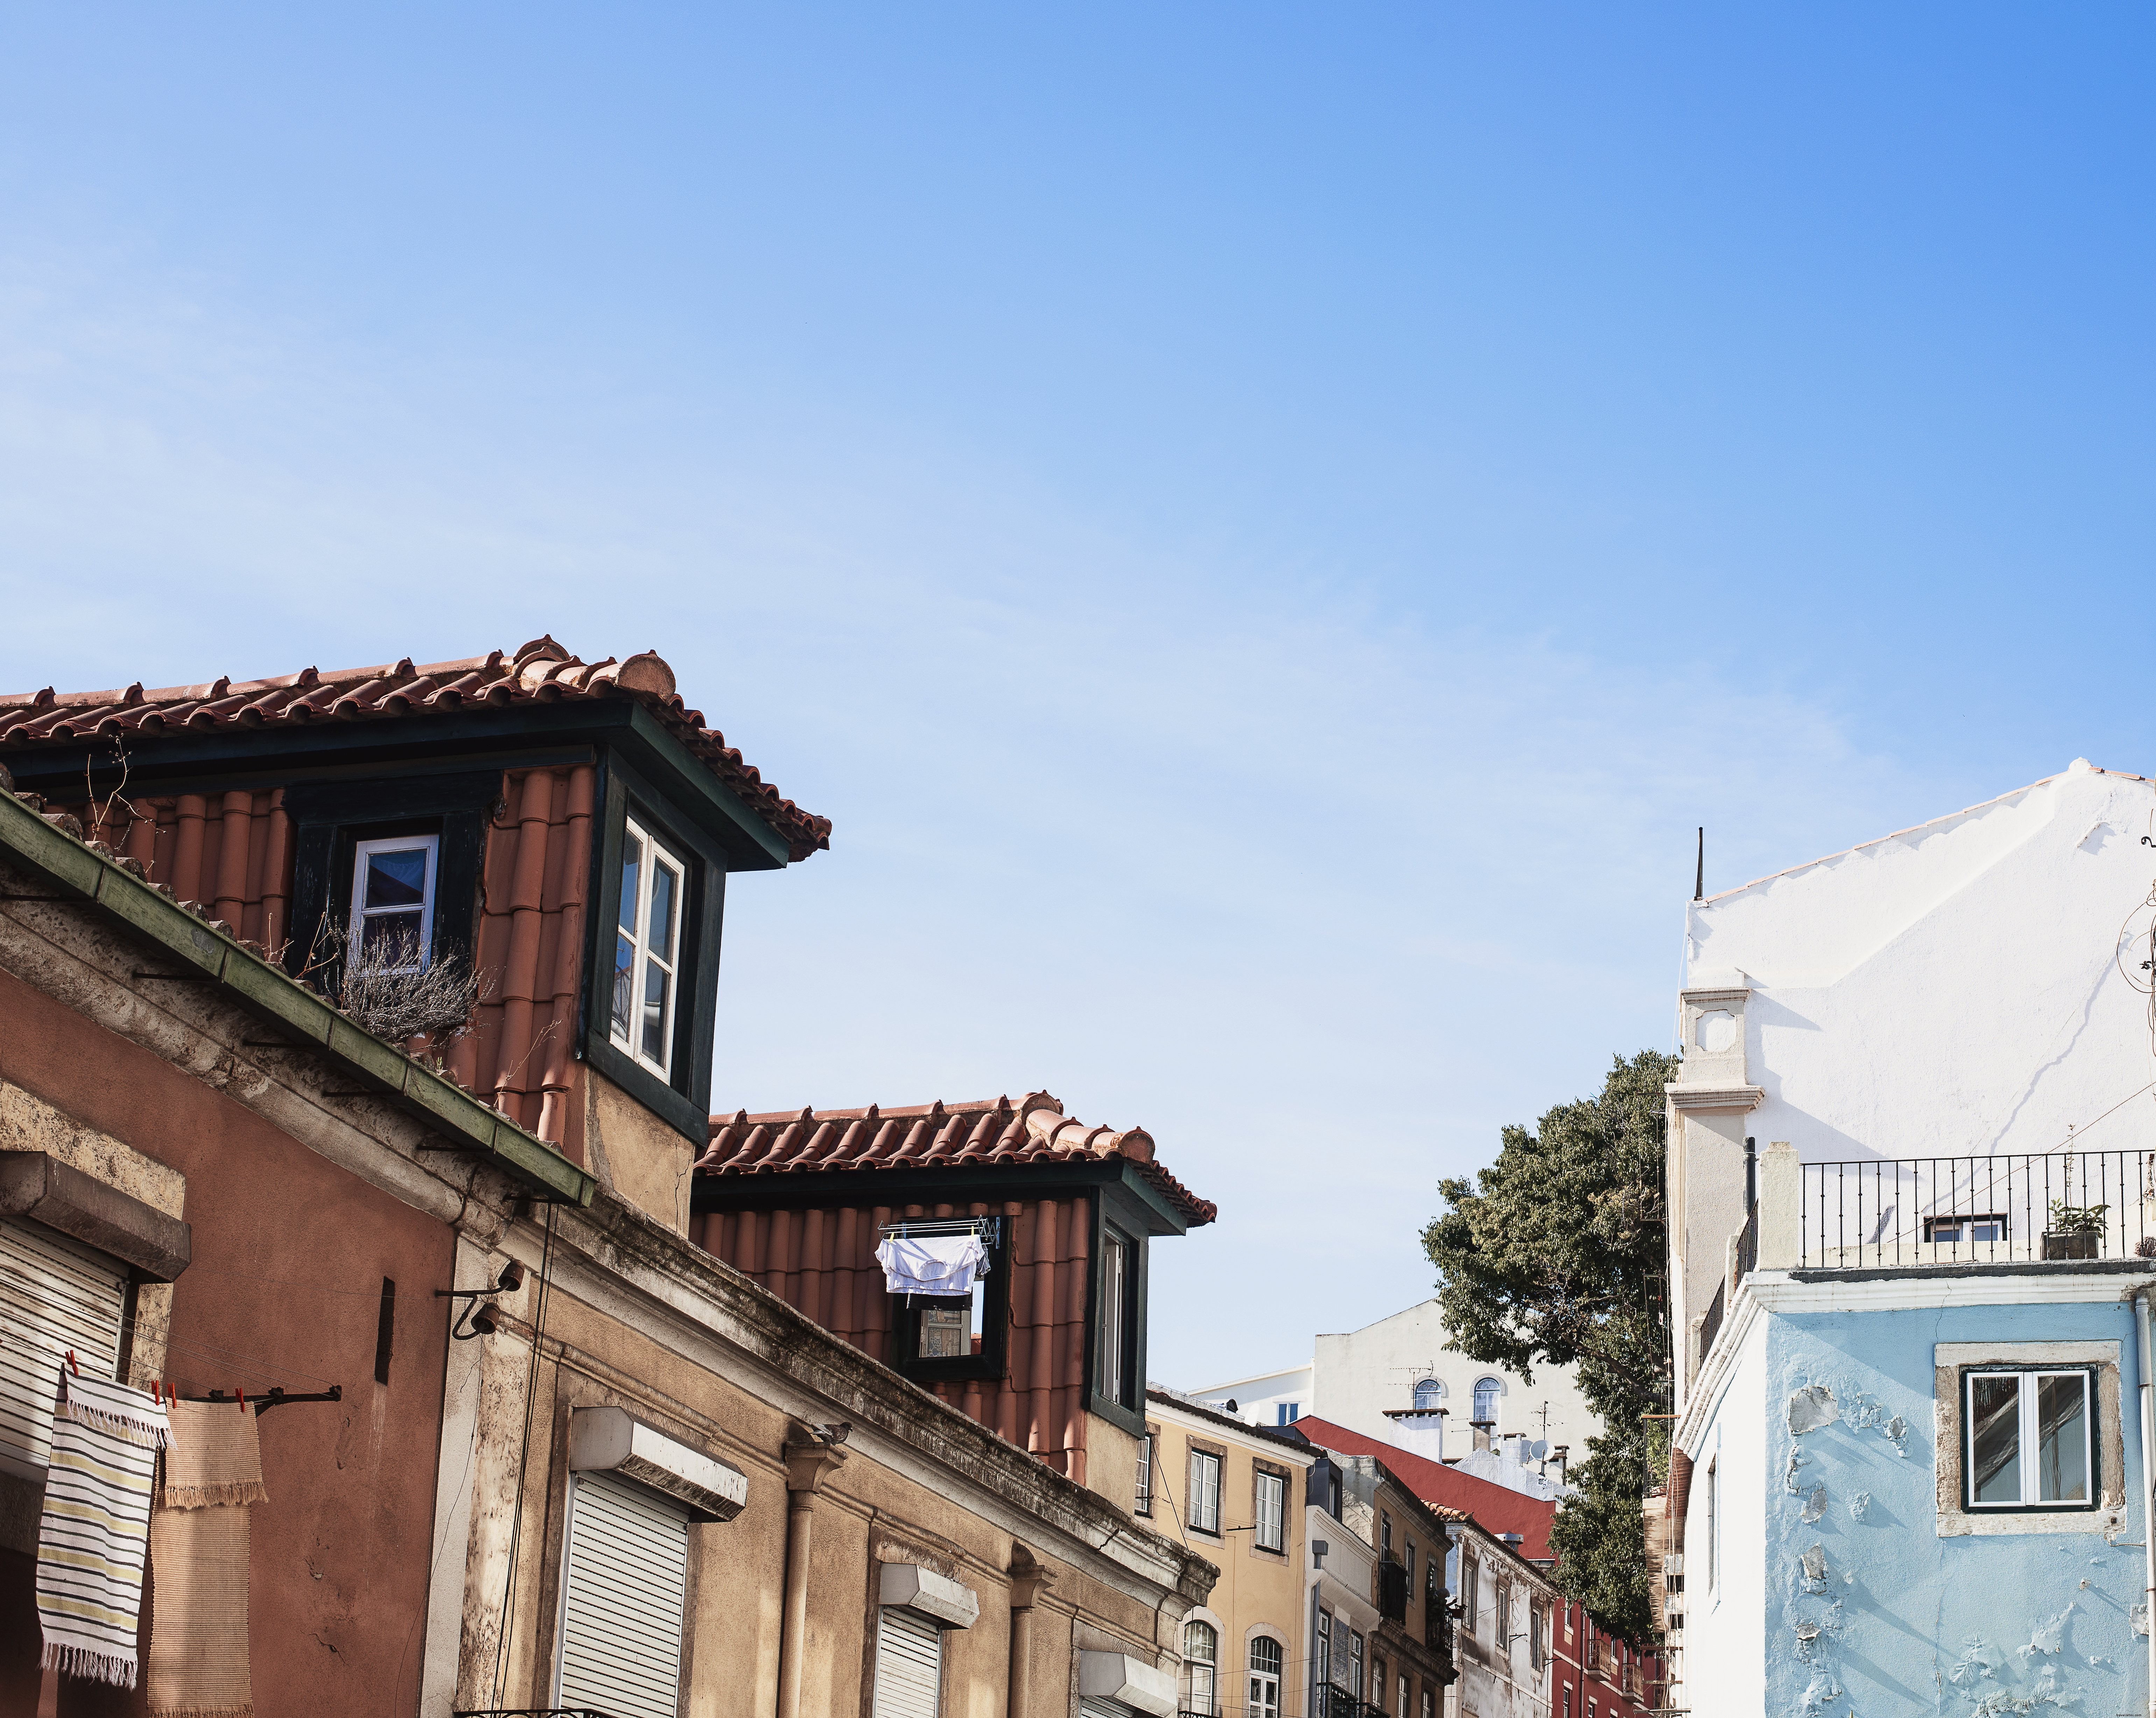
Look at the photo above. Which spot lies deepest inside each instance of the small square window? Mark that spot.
(2029, 1440)
(1989, 1227)
(392, 902)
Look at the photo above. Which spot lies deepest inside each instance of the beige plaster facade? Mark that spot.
(1260, 1592)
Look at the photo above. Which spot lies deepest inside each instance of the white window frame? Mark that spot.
(1206, 1702)
(630, 1038)
(1271, 1524)
(355, 927)
(1264, 1685)
(1950, 1363)
(2029, 1382)
(1496, 1394)
(1148, 1458)
(1204, 1492)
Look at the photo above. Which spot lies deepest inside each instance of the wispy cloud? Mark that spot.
(1319, 888)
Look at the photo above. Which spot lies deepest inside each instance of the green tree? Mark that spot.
(1556, 1256)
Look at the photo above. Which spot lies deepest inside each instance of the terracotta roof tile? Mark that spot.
(1494, 1507)
(540, 672)
(1034, 1130)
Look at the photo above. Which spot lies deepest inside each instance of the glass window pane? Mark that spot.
(632, 858)
(946, 1332)
(2062, 1437)
(658, 986)
(1111, 1318)
(665, 885)
(397, 879)
(624, 984)
(1265, 1655)
(390, 939)
(1994, 1439)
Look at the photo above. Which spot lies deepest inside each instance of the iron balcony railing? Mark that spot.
(2023, 1206)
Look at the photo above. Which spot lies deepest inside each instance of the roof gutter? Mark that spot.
(249, 981)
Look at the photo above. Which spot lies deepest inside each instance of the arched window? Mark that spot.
(1427, 1396)
(1201, 1667)
(1486, 1392)
(1266, 1661)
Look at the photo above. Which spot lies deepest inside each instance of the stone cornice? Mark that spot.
(1715, 1097)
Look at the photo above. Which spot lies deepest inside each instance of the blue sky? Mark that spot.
(1265, 527)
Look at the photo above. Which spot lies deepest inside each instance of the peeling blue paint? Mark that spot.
(1871, 1613)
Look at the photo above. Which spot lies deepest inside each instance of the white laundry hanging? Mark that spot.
(932, 1264)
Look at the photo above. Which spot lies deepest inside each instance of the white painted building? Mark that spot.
(1397, 1380)
(1941, 1042)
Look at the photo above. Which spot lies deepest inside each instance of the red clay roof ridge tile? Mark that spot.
(934, 1134)
(540, 670)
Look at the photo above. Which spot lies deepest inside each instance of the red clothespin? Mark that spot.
(154, 1395)
(242, 1395)
(72, 1366)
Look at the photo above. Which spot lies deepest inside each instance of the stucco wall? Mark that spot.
(1977, 947)
(1359, 1374)
(867, 1511)
(1726, 1581)
(1259, 1591)
(1907, 1621)
(290, 1253)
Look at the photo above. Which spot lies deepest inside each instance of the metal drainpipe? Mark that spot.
(2147, 1455)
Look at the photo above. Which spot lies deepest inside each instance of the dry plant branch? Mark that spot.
(389, 993)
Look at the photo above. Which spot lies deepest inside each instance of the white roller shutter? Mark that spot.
(55, 1294)
(622, 1603)
(909, 1673)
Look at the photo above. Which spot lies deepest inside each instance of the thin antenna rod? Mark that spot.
(1699, 876)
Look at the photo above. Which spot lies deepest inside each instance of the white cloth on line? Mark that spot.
(932, 1264)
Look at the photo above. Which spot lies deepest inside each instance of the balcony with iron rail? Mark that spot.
(1935, 1215)
(2016, 1208)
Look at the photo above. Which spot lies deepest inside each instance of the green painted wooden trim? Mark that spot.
(265, 991)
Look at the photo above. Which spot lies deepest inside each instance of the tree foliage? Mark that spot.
(1556, 1256)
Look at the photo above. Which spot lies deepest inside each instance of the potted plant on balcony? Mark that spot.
(2075, 1231)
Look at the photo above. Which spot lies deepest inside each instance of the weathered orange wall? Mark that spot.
(290, 1253)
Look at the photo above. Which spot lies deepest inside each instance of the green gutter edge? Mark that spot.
(267, 991)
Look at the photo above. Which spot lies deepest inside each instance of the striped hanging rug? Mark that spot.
(95, 1529)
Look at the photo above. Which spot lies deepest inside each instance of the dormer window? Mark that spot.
(647, 950)
(392, 902)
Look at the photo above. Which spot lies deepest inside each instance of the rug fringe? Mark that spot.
(115, 1667)
(151, 1435)
(218, 1492)
(245, 1712)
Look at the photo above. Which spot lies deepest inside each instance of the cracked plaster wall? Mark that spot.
(2012, 910)
(1869, 1612)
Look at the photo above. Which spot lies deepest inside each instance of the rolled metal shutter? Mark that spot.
(1105, 1709)
(623, 1602)
(909, 1675)
(55, 1294)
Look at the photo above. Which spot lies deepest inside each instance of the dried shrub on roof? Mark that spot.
(388, 991)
